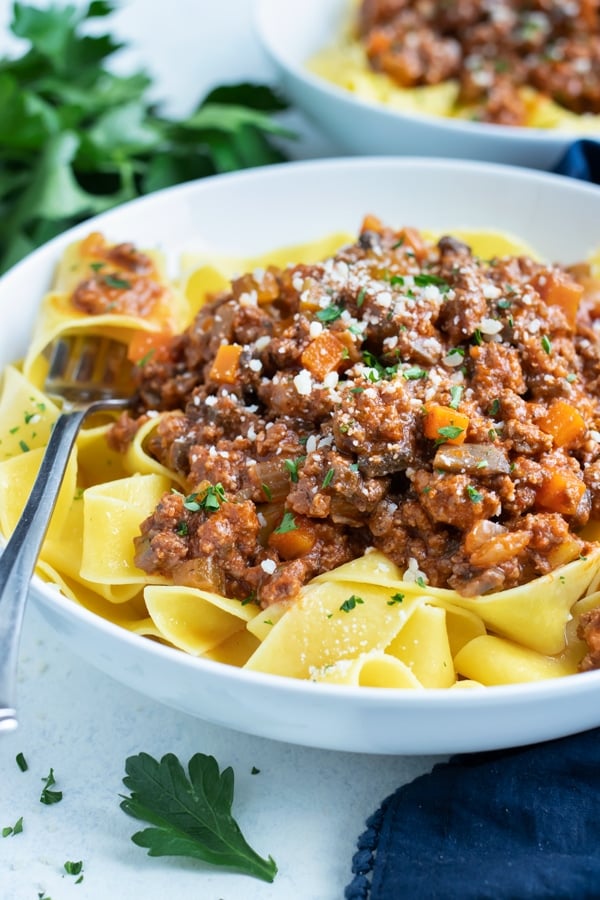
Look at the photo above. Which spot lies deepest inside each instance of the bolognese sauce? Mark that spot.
(403, 394)
(492, 50)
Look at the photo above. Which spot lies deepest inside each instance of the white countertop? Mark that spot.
(304, 807)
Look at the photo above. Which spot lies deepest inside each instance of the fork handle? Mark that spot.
(17, 563)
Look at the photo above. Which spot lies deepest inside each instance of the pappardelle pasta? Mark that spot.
(369, 462)
(506, 63)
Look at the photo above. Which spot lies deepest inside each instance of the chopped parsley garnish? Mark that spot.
(546, 344)
(395, 598)
(504, 304)
(146, 358)
(47, 796)
(571, 377)
(209, 500)
(456, 393)
(477, 337)
(73, 868)
(182, 529)
(353, 467)
(251, 598)
(114, 282)
(330, 313)
(24, 446)
(494, 407)
(396, 280)
(96, 266)
(350, 603)
(474, 495)
(423, 279)
(449, 432)
(17, 828)
(421, 581)
(398, 243)
(189, 815)
(254, 771)
(21, 762)
(414, 373)
(328, 478)
(292, 467)
(361, 297)
(379, 370)
(267, 491)
(288, 523)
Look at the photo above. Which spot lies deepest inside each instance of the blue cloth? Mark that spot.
(520, 824)
(582, 160)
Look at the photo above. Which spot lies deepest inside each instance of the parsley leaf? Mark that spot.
(190, 816)
(47, 796)
(423, 279)
(329, 313)
(17, 828)
(474, 495)
(210, 499)
(449, 432)
(288, 523)
(76, 138)
(351, 603)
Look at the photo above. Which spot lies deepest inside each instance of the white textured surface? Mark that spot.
(305, 807)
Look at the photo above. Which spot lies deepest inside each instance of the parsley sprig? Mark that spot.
(189, 815)
(76, 138)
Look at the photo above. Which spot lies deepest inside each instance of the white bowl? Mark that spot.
(291, 32)
(251, 212)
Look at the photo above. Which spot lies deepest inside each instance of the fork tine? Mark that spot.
(88, 367)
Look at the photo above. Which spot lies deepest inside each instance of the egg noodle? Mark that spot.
(344, 63)
(363, 623)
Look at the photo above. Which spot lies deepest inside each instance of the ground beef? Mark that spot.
(297, 410)
(588, 630)
(492, 50)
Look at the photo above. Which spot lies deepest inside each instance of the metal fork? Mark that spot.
(88, 374)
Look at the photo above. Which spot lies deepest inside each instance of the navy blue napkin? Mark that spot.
(582, 160)
(520, 824)
(506, 825)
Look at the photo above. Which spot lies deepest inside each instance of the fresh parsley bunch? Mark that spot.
(77, 139)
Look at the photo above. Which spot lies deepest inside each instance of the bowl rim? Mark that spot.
(50, 597)
(501, 133)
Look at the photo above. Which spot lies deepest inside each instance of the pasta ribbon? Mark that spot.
(195, 620)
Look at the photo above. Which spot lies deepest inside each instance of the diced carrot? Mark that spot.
(415, 240)
(558, 289)
(371, 223)
(294, 543)
(226, 363)
(378, 41)
(561, 492)
(323, 355)
(444, 424)
(148, 344)
(265, 287)
(564, 422)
